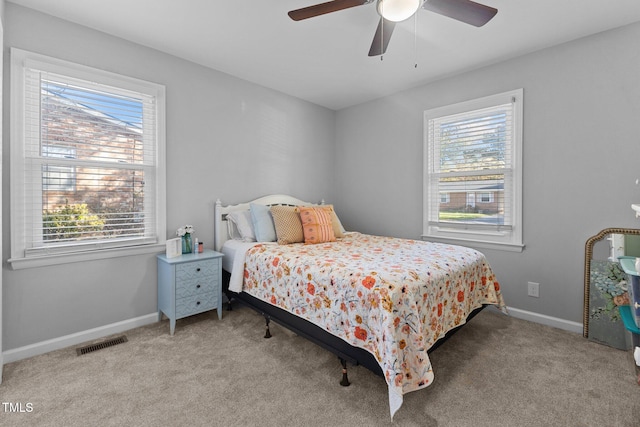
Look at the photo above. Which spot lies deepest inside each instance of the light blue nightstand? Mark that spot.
(188, 285)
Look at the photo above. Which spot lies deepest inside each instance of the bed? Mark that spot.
(377, 301)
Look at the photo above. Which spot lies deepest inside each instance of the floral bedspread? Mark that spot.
(393, 297)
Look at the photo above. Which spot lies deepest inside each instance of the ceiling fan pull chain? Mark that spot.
(415, 40)
(382, 33)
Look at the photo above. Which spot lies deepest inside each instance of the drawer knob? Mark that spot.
(198, 269)
(197, 286)
(198, 303)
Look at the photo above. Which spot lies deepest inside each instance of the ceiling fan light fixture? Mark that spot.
(397, 10)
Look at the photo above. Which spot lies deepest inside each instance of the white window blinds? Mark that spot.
(471, 169)
(90, 164)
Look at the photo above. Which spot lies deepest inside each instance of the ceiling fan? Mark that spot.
(392, 11)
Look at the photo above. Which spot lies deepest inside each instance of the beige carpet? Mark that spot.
(497, 371)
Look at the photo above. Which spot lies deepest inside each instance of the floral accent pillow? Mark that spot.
(317, 226)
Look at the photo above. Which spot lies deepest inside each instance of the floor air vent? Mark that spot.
(99, 346)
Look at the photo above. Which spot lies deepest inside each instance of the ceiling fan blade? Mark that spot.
(467, 11)
(382, 37)
(322, 8)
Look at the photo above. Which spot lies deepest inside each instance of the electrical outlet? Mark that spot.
(533, 289)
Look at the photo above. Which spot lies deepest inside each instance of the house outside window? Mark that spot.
(473, 153)
(58, 178)
(87, 165)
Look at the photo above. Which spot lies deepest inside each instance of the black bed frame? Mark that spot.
(344, 351)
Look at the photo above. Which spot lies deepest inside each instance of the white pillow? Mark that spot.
(262, 223)
(244, 225)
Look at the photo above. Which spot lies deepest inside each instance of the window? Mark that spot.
(486, 197)
(473, 153)
(87, 162)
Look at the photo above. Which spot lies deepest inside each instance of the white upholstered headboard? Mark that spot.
(220, 227)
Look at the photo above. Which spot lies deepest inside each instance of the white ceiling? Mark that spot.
(324, 59)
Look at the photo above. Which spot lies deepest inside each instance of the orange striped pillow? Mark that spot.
(316, 224)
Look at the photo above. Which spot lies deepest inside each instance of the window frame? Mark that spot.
(508, 239)
(20, 61)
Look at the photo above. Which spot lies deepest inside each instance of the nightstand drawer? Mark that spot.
(195, 304)
(197, 286)
(194, 270)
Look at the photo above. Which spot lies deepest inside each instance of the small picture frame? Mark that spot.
(174, 247)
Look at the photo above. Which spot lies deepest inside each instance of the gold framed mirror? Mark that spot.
(604, 284)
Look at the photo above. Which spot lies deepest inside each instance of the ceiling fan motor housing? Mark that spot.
(398, 10)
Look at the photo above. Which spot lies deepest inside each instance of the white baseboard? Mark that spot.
(77, 338)
(543, 319)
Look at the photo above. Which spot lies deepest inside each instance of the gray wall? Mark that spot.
(581, 156)
(233, 140)
(226, 138)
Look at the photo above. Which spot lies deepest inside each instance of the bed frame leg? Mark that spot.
(268, 332)
(345, 379)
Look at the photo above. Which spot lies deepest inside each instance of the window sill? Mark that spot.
(479, 244)
(47, 260)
